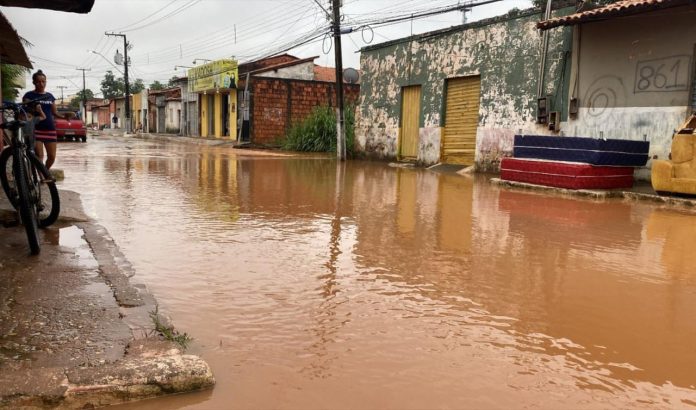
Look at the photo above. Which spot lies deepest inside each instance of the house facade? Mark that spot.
(139, 108)
(117, 108)
(281, 91)
(216, 86)
(98, 113)
(459, 95)
(633, 72)
(165, 110)
(188, 119)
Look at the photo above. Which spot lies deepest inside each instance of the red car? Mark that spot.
(72, 129)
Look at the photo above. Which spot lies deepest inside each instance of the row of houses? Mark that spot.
(459, 95)
(256, 101)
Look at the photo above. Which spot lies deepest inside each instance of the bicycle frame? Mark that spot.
(28, 192)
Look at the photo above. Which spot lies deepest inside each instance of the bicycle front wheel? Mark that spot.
(48, 201)
(27, 208)
(7, 176)
(48, 198)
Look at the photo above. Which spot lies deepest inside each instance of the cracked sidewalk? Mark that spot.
(75, 327)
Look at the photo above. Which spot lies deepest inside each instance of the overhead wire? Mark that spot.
(142, 19)
(166, 16)
(222, 41)
(242, 49)
(205, 37)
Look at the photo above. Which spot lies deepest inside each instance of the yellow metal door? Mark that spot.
(461, 120)
(410, 113)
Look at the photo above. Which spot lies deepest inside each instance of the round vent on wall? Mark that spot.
(351, 75)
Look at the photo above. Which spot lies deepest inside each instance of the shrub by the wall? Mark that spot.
(317, 132)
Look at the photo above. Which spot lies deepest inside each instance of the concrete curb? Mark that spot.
(147, 373)
(600, 194)
(76, 328)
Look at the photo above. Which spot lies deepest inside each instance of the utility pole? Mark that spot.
(340, 129)
(84, 95)
(62, 87)
(125, 78)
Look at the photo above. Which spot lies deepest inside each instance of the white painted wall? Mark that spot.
(172, 118)
(632, 76)
(304, 71)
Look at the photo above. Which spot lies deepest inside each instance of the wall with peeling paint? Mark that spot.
(504, 51)
(633, 77)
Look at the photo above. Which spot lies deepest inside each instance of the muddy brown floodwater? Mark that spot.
(307, 285)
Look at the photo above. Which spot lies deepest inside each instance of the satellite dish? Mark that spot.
(351, 75)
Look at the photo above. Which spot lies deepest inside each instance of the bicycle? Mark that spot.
(28, 184)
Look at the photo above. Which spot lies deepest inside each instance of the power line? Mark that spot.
(413, 16)
(173, 13)
(144, 18)
(205, 44)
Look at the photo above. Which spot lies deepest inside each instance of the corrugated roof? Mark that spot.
(617, 9)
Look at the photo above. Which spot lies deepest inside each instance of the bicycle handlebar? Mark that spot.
(18, 107)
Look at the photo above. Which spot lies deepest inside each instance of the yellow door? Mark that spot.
(410, 113)
(461, 120)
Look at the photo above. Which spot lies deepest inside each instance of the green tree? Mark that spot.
(172, 81)
(137, 86)
(10, 76)
(75, 102)
(111, 86)
(156, 85)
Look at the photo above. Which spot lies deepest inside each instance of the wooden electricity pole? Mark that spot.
(84, 95)
(62, 87)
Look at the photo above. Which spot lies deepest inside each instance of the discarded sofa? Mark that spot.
(678, 175)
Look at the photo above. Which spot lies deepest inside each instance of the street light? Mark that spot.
(107, 60)
(201, 59)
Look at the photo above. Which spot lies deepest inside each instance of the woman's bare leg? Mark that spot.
(51, 148)
(38, 149)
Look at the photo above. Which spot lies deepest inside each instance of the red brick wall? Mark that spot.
(278, 103)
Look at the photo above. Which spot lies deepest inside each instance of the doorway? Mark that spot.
(410, 122)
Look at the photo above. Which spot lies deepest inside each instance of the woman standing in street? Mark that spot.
(45, 130)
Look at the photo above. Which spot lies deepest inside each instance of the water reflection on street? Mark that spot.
(311, 285)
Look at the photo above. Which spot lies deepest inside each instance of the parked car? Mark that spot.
(72, 129)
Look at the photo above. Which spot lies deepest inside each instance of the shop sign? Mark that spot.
(212, 76)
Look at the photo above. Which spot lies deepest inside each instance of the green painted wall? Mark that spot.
(504, 51)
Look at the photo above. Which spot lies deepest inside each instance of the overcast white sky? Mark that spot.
(166, 33)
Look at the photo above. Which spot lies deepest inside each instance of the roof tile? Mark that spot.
(617, 9)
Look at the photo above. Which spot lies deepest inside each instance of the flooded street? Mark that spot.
(306, 285)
